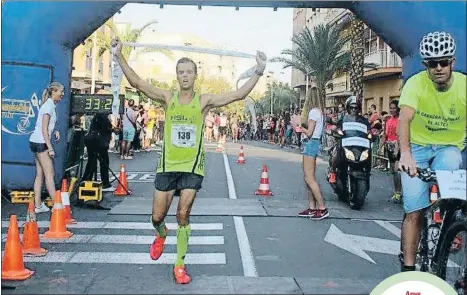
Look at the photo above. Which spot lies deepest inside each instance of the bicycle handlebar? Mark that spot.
(425, 174)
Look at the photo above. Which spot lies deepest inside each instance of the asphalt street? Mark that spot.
(240, 243)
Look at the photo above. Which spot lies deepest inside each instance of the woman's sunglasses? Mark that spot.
(434, 63)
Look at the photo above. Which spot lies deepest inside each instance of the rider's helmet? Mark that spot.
(352, 100)
(437, 45)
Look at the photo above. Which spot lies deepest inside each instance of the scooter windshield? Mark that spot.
(355, 135)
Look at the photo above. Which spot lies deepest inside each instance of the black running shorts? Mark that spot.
(168, 181)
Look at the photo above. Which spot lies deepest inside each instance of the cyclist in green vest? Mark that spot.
(181, 166)
(431, 130)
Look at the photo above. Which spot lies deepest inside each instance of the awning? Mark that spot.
(79, 85)
(338, 94)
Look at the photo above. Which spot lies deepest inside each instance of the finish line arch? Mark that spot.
(38, 39)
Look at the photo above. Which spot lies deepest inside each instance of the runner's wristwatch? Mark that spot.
(258, 73)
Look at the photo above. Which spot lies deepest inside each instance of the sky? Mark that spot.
(245, 30)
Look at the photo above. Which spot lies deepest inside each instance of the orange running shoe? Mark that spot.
(157, 247)
(332, 177)
(457, 243)
(181, 276)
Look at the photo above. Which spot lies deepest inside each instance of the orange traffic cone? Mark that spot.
(66, 203)
(241, 156)
(121, 191)
(263, 189)
(12, 263)
(219, 146)
(433, 198)
(57, 229)
(31, 241)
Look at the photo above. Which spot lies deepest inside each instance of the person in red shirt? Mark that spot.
(391, 145)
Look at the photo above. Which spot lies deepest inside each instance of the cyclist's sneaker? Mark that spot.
(457, 243)
(320, 214)
(181, 276)
(307, 213)
(396, 198)
(157, 247)
(332, 177)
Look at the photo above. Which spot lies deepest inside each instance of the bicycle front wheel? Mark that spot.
(452, 260)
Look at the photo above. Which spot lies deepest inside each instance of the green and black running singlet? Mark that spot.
(183, 149)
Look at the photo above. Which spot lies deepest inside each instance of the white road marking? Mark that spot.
(128, 239)
(389, 227)
(230, 182)
(359, 244)
(135, 176)
(125, 225)
(248, 261)
(131, 175)
(125, 258)
(148, 175)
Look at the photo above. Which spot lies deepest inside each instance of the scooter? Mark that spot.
(353, 168)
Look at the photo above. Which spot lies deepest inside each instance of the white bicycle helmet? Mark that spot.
(437, 45)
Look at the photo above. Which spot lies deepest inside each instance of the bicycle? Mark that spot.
(435, 259)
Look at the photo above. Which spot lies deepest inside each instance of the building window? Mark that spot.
(382, 45)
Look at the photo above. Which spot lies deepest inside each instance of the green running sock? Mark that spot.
(183, 234)
(160, 228)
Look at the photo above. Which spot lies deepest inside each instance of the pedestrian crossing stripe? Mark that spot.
(129, 257)
(126, 258)
(124, 225)
(127, 239)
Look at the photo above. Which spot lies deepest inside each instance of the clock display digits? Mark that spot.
(88, 104)
(108, 104)
(97, 103)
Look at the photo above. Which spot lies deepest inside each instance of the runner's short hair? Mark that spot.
(186, 60)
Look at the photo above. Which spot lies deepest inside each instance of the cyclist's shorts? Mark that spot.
(415, 193)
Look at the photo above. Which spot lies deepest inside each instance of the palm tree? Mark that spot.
(357, 52)
(282, 96)
(127, 35)
(320, 54)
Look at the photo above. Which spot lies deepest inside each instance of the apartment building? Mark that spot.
(157, 66)
(381, 85)
(82, 69)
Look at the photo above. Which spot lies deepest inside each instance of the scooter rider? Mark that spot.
(353, 108)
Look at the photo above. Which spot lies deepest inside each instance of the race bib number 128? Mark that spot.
(184, 135)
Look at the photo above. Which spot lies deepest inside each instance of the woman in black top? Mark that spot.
(97, 143)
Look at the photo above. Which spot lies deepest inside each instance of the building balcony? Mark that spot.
(388, 64)
(338, 85)
(337, 15)
(384, 59)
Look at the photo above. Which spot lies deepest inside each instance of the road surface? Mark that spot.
(240, 243)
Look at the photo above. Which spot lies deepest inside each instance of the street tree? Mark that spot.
(282, 97)
(126, 35)
(321, 54)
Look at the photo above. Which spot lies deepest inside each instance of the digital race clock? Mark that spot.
(94, 103)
